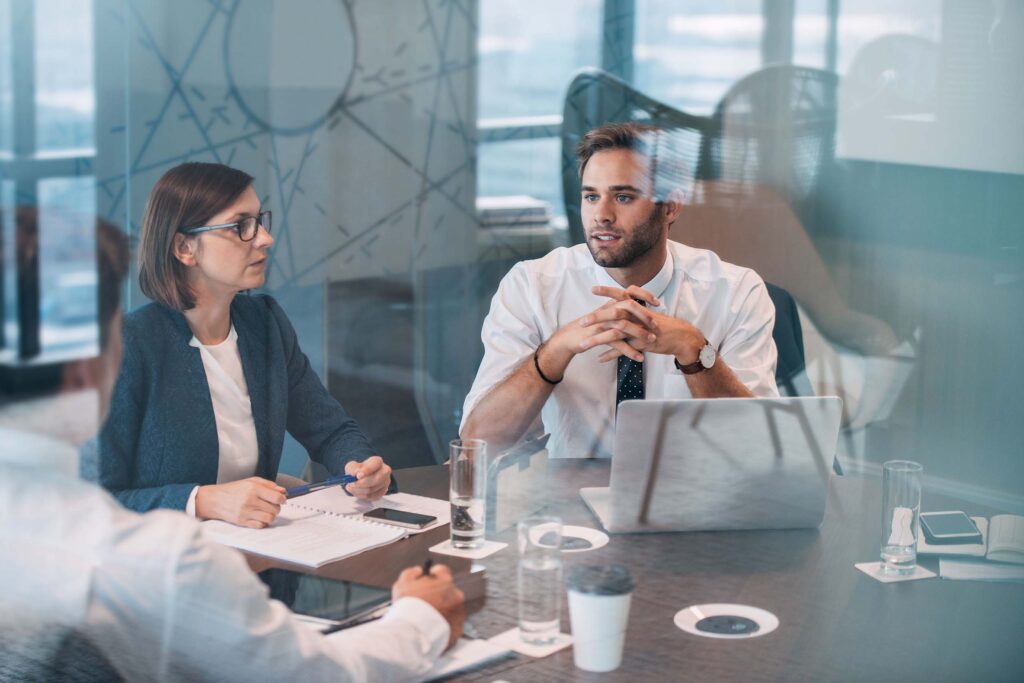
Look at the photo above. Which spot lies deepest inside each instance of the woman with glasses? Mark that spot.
(212, 377)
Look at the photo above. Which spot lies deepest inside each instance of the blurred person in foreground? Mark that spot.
(92, 591)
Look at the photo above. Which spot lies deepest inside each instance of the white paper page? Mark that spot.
(465, 655)
(333, 500)
(305, 537)
(1007, 536)
(979, 570)
(314, 623)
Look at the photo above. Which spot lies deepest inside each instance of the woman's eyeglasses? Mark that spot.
(246, 227)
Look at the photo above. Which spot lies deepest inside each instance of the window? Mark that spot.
(47, 134)
(64, 94)
(528, 53)
(688, 54)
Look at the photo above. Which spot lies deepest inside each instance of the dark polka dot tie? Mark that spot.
(631, 378)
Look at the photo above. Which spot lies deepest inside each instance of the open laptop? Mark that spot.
(716, 464)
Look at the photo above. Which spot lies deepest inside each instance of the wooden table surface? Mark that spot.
(835, 622)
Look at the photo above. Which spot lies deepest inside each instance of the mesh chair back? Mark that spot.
(776, 127)
(594, 98)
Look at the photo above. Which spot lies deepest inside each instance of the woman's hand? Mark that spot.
(374, 478)
(252, 502)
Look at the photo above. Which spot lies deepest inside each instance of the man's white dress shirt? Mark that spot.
(161, 602)
(239, 452)
(727, 303)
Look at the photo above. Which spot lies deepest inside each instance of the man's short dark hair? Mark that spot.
(186, 196)
(665, 150)
(632, 136)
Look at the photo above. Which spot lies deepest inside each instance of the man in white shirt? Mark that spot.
(679, 322)
(148, 597)
(160, 602)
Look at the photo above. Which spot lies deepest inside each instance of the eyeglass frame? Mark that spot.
(237, 225)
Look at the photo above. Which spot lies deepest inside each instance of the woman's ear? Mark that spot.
(184, 249)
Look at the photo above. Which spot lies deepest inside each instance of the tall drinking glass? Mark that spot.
(540, 579)
(901, 506)
(467, 465)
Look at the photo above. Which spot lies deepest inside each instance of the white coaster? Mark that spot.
(687, 619)
(512, 641)
(487, 549)
(874, 570)
(595, 538)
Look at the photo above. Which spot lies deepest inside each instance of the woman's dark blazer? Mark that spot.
(160, 439)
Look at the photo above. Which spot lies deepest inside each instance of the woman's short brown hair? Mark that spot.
(186, 196)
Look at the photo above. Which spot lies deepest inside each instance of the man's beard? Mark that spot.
(644, 237)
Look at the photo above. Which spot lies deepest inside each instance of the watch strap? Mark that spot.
(694, 367)
(689, 368)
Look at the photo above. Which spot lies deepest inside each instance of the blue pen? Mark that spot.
(340, 480)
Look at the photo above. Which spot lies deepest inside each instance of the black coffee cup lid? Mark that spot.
(613, 579)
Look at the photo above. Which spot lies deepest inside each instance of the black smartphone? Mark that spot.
(949, 528)
(410, 520)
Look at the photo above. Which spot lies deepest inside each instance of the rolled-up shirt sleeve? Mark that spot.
(510, 333)
(221, 624)
(748, 348)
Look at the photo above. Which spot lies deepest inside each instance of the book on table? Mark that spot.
(305, 536)
(997, 558)
(1002, 540)
(325, 526)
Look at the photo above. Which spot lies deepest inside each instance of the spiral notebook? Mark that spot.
(306, 536)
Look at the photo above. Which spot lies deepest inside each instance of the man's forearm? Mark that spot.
(505, 413)
(719, 381)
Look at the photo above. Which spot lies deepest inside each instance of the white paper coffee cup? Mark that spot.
(599, 600)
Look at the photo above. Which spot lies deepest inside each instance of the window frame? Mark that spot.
(618, 36)
(26, 166)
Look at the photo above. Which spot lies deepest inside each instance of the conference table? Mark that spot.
(836, 623)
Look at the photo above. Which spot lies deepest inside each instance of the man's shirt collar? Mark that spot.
(657, 285)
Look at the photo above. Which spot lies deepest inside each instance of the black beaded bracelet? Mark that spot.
(536, 364)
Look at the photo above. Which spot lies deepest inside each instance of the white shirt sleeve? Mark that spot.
(219, 606)
(190, 506)
(510, 333)
(748, 348)
(174, 606)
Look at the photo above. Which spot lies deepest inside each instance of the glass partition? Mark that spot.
(863, 157)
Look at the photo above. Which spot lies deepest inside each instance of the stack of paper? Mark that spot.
(979, 570)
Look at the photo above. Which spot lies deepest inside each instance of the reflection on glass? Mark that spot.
(9, 303)
(64, 93)
(528, 51)
(688, 54)
(522, 167)
(67, 264)
(6, 79)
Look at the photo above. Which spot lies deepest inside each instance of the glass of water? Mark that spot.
(467, 465)
(901, 506)
(540, 579)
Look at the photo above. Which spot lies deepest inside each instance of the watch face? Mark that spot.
(707, 356)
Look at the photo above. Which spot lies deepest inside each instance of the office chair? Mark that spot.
(789, 341)
(776, 128)
(595, 97)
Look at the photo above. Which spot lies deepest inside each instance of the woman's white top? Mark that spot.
(236, 429)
